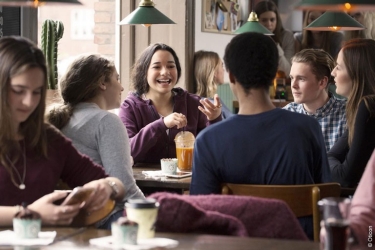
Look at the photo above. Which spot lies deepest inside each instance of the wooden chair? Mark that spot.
(302, 199)
(347, 192)
(87, 219)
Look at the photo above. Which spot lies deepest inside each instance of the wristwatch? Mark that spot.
(114, 187)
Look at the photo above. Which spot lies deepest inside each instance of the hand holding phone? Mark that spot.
(77, 196)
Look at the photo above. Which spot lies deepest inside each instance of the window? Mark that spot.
(82, 24)
(88, 28)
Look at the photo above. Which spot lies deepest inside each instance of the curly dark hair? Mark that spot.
(252, 58)
(140, 68)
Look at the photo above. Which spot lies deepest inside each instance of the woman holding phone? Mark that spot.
(34, 156)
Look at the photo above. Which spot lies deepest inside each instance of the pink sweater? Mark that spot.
(362, 212)
(227, 215)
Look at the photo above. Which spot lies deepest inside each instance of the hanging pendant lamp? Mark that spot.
(36, 3)
(147, 15)
(253, 25)
(334, 21)
(336, 5)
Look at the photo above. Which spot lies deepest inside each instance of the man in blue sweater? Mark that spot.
(262, 144)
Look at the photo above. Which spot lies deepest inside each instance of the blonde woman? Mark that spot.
(367, 19)
(208, 73)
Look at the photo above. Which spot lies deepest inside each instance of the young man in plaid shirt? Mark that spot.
(310, 77)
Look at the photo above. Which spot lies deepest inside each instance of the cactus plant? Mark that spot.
(52, 32)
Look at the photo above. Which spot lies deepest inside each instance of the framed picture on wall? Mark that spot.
(256, 1)
(226, 16)
(223, 16)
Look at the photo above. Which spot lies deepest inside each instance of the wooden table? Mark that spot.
(186, 241)
(150, 185)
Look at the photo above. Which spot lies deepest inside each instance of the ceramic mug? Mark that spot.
(169, 165)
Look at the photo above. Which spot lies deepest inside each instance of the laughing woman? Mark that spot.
(355, 79)
(156, 111)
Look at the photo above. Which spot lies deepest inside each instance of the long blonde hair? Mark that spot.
(368, 22)
(205, 66)
(356, 54)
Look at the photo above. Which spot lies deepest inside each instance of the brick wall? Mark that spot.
(104, 30)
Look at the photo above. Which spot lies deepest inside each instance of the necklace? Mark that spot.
(22, 181)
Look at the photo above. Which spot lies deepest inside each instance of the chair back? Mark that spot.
(302, 199)
(83, 218)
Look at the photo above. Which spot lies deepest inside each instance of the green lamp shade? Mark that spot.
(336, 5)
(252, 25)
(146, 15)
(334, 21)
(36, 3)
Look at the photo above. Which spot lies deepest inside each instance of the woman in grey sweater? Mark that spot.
(89, 88)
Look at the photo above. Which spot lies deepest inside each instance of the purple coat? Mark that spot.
(148, 135)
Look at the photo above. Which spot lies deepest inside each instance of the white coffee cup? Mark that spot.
(169, 165)
(144, 212)
(124, 231)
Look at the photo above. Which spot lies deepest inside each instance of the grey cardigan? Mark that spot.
(101, 135)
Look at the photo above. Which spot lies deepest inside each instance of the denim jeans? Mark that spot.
(106, 223)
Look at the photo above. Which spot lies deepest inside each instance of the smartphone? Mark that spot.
(59, 201)
(179, 175)
(77, 196)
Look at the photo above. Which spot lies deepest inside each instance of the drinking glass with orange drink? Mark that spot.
(184, 150)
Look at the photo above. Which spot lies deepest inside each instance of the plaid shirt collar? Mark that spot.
(324, 110)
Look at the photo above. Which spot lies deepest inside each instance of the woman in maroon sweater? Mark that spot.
(34, 155)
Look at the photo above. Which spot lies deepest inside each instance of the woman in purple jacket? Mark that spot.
(156, 111)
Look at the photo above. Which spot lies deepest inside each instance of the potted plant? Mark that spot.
(52, 32)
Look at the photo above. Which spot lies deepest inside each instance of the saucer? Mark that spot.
(142, 243)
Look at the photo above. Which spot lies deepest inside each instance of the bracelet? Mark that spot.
(114, 188)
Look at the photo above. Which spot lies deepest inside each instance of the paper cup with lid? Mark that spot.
(144, 212)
